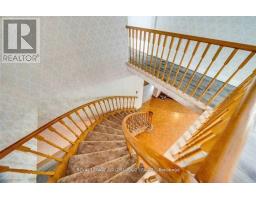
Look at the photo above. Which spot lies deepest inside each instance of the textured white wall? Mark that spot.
(142, 21)
(81, 58)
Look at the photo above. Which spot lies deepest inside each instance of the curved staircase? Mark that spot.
(103, 156)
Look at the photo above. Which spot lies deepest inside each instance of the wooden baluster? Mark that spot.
(129, 103)
(26, 171)
(122, 102)
(110, 108)
(89, 106)
(59, 134)
(102, 111)
(86, 127)
(188, 155)
(138, 161)
(193, 93)
(149, 37)
(207, 126)
(130, 45)
(161, 58)
(136, 51)
(133, 49)
(73, 121)
(144, 44)
(152, 52)
(167, 58)
(198, 65)
(105, 105)
(139, 48)
(95, 108)
(119, 103)
(29, 150)
(174, 58)
(156, 56)
(189, 63)
(134, 102)
(217, 74)
(123, 105)
(41, 138)
(64, 124)
(241, 66)
(87, 116)
(129, 147)
(113, 105)
(199, 141)
(196, 144)
(179, 66)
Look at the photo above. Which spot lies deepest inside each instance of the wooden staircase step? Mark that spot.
(130, 175)
(98, 136)
(105, 129)
(95, 146)
(81, 162)
(100, 173)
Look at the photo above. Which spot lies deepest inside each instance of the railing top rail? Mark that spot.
(220, 163)
(154, 159)
(246, 47)
(23, 140)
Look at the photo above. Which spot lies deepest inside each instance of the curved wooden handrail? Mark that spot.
(102, 107)
(246, 47)
(23, 140)
(139, 122)
(220, 164)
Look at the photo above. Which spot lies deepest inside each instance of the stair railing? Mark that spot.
(71, 127)
(210, 154)
(139, 122)
(193, 65)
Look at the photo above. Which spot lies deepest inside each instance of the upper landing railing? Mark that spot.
(202, 68)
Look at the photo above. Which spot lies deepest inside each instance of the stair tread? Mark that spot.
(94, 146)
(82, 161)
(99, 136)
(112, 124)
(99, 173)
(130, 175)
(103, 156)
(115, 120)
(105, 129)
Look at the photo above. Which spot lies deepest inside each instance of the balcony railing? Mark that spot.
(205, 69)
(217, 73)
(210, 154)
